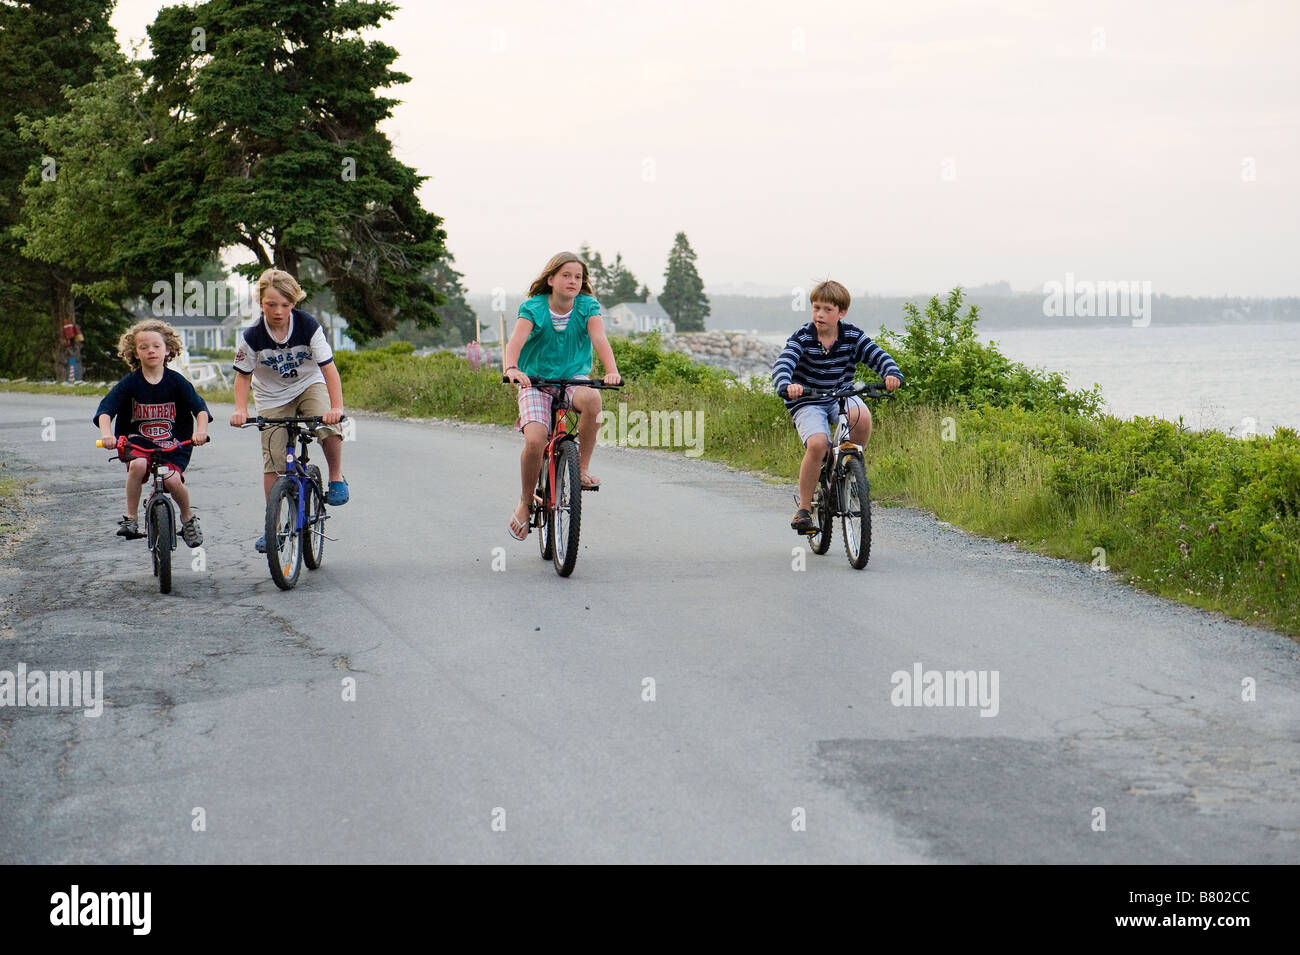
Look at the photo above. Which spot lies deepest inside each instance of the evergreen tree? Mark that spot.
(284, 155)
(44, 47)
(683, 296)
(611, 283)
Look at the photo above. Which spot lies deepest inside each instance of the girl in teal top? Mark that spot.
(559, 326)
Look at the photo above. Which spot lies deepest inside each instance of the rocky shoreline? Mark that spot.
(739, 352)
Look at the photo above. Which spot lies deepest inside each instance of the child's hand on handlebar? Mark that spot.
(892, 383)
(238, 419)
(518, 377)
(332, 416)
(793, 391)
(200, 437)
(613, 378)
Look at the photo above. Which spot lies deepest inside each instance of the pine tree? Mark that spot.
(44, 47)
(284, 154)
(683, 296)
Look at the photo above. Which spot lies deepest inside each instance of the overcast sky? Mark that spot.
(897, 147)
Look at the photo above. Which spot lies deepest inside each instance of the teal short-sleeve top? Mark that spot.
(554, 354)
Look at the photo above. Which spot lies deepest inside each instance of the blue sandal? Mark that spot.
(338, 493)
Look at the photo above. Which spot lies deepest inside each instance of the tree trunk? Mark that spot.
(63, 312)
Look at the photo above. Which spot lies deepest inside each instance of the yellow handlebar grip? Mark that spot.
(99, 443)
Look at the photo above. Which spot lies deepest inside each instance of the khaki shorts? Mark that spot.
(312, 403)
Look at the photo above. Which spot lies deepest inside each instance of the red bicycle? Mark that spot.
(160, 510)
(558, 518)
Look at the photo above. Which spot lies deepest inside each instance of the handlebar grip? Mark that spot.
(100, 443)
(780, 392)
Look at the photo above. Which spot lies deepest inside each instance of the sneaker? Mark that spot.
(261, 544)
(129, 528)
(190, 532)
(338, 493)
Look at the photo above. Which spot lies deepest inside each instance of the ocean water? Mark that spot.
(1230, 376)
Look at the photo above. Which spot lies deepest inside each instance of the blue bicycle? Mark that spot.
(295, 508)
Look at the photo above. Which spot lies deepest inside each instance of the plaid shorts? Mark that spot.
(535, 404)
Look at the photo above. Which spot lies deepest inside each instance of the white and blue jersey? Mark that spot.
(283, 370)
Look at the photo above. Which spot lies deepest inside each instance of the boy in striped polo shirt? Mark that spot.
(823, 356)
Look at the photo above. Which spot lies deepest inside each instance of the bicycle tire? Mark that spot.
(313, 554)
(545, 526)
(823, 515)
(164, 540)
(283, 539)
(856, 493)
(567, 517)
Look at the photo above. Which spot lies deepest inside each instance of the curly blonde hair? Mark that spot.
(126, 344)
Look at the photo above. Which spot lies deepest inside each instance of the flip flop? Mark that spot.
(589, 483)
(518, 528)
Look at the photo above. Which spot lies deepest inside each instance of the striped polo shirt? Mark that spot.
(804, 361)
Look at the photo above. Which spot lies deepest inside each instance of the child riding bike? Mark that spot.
(824, 355)
(160, 404)
(559, 326)
(288, 364)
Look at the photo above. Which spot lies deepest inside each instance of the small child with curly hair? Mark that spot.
(162, 405)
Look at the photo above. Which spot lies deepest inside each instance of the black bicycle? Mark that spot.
(558, 518)
(842, 488)
(160, 517)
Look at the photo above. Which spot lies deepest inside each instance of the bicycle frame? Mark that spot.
(158, 489)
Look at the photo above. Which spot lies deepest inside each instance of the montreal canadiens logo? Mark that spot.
(160, 433)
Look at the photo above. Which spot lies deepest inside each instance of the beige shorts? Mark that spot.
(312, 403)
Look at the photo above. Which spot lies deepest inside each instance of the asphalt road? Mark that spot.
(500, 715)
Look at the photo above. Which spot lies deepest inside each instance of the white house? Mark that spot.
(628, 317)
(200, 333)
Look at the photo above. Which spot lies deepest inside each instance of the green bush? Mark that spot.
(945, 363)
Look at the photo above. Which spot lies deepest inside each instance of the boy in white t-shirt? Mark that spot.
(288, 364)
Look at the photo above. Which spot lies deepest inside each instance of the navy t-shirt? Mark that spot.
(164, 412)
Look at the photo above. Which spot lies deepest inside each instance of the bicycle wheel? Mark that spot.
(314, 553)
(283, 544)
(856, 494)
(567, 518)
(162, 533)
(823, 514)
(545, 525)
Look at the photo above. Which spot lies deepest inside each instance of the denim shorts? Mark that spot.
(820, 418)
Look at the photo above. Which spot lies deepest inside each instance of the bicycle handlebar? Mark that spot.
(259, 422)
(859, 389)
(116, 445)
(564, 382)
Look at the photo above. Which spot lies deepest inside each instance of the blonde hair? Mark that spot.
(558, 261)
(126, 344)
(832, 293)
(282, 282)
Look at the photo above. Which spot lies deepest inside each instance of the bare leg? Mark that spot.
(859, 425)
(135, 473)
(268, 480)
(810, 468)
(333, 448)
(588, 404)
(176, 487)
(530, 465)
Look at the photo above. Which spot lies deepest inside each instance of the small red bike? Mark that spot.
(160, 518)
(558, 518)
